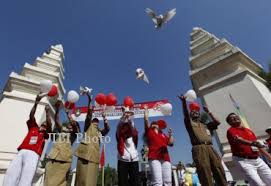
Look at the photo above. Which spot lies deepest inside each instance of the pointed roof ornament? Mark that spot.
(59, 46)
(196, 28)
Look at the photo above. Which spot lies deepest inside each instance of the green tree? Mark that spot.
(110, 176)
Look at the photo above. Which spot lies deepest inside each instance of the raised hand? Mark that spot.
(206, 109)
(38, 98)
(170, 131)
(182, 97)
(103, 115)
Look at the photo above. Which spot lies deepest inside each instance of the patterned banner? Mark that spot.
(155, 109)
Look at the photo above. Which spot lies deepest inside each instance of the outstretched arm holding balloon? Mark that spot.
(34, 108)
(89, 113)
(74, 124)
(57, 119)
(48, 119)
(187, 120)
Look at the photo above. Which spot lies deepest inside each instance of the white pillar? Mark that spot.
(218, 69)
(18, 98)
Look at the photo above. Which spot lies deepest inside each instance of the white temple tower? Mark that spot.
(219, 69)
(18, 98)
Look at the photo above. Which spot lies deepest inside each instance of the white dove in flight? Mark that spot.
(140, 74)
(85, 90)
(160, 20)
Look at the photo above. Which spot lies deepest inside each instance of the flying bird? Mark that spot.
(140, 75)
(85, 90)
(160, 20)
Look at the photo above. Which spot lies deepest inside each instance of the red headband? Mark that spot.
(194, 107)
(162, 124)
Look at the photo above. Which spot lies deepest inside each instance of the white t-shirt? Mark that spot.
(130, 152)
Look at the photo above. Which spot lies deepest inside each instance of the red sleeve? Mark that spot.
(31, 124)
(251, 133)
(230, 136)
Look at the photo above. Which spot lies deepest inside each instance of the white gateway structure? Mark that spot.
(18, 98)
(219, 69)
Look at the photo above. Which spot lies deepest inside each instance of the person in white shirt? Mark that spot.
(127, 138)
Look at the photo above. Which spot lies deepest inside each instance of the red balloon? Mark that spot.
(53, 92)
(128, 102)
(111, 100)
(101, 99)
(69, 105)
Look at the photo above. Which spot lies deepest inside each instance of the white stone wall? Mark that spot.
(18, 98)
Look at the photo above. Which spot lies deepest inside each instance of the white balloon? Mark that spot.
(45, 86)
(73, 96)
(166, 109)
(190, 95)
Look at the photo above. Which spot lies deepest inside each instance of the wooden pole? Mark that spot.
(103, 168)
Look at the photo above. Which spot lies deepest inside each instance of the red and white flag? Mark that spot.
(115, 113)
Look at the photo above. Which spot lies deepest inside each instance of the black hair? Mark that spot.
(95, 120)
(228, 117)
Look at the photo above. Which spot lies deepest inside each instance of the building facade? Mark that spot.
(217, 70)
(18, 98)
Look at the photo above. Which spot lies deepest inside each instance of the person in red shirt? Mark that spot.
(22, 169)
(158, 156)
(244, 147)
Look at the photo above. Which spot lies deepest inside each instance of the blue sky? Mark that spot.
(106, 40)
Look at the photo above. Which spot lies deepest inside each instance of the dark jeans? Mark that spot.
(128, 173)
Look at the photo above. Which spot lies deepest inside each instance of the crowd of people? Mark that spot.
(246, 150)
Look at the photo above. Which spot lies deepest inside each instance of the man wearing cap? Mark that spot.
(22, 169)
(60, 157)
(244, 147)
(207, 160)
(88, 151)
(127, 139)
(159, 160)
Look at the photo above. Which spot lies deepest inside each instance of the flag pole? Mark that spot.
(103, 168)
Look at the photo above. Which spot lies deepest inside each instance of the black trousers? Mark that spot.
(128, 173)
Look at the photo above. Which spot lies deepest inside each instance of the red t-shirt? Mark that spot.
(157, 143)
(239, 149)
(34, 139)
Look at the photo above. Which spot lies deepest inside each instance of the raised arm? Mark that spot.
(34, 108)
(185, 111)
(170, 136)
(58, 125)
(214, 119)
(48, 119)
(215, 122)
(106, 126)
(74, 124)
(89, 113)
(146, 118)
